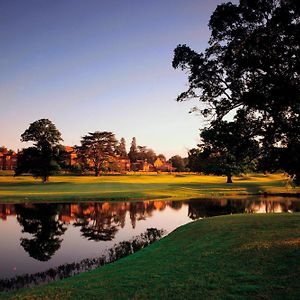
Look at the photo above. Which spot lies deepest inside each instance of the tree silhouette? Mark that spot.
(251, 67)
(178, 163)
(227, 149)
(43, 159)
(96, 149)
(146, 154)
(100, 224)
(121, 148)
(133, 152)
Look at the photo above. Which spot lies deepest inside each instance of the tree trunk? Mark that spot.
(96, 171)
(229, 179)
(45, 178)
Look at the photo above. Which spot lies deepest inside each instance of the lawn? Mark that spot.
(227, 257)
(14, 189)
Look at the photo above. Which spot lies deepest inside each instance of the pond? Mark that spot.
(39, 236)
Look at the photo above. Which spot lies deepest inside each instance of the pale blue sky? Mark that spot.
(92, 65)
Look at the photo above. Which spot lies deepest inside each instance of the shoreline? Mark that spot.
(118, 251)
(234, 255)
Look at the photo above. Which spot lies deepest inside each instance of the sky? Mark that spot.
(95, 65)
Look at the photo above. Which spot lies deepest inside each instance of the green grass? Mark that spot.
(70, 188)
(228, 257)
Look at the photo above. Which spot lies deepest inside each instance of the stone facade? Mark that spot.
(121, 164)
(8, 159)
(163, 166)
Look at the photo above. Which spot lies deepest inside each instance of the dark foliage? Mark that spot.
(45, 156)
(251, 68)
(96, 150)
(40, 221)
(140, 153)
(133, 152)
(121, 148)
(227, 149)
(178, 163)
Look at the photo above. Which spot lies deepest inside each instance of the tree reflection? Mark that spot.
(202, 208)
(41, 221)
(100, 221)
(177, 205)
(140, 211)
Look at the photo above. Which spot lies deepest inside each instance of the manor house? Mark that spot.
(8, 159)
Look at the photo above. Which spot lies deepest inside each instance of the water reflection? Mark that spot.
(216, 207)
(99, 221)
(41, 222)
(55, 233)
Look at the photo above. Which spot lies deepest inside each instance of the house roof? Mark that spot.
(69, 148)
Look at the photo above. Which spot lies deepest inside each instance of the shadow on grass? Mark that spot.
(33, 183)
(238, 186)
(71, 199)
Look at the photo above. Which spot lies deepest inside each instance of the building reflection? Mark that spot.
(97, 221)
(271, 207)
(7, 210)
(100, 221)
(106, 214)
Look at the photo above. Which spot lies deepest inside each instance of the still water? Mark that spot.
(39, 236)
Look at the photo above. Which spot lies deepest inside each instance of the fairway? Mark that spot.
(159, 186)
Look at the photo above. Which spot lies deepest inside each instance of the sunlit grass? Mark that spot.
(140, 186)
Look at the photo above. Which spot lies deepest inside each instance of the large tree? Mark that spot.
(178, 163)
(194, 160)
(44, 157)
(227, 149)
(251, 67)
(133, 152)
(121, 148)
(146, 154)
(101, 224)
(96, 150)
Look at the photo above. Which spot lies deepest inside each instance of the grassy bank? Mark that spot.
(138, 187)
(232, 257)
